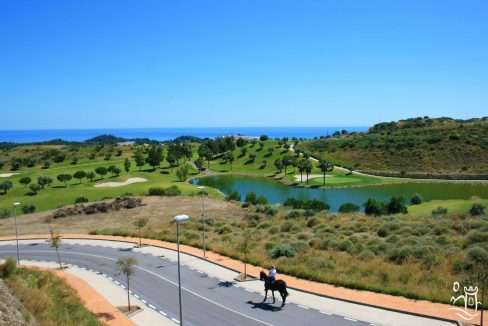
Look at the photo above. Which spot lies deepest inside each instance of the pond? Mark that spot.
(277, 192)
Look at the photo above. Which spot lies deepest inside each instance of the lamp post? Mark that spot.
(202, 188)
(16, 232)
(178, 219)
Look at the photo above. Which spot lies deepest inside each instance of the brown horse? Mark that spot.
(277, 285)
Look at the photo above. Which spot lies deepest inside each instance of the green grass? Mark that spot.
(342, 178)
(454, 206)
(58, 195)
(49, 299)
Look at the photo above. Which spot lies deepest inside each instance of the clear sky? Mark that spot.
(162, 63)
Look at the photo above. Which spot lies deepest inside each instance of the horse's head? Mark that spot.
(262, 275)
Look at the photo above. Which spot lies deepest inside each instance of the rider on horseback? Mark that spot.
(272, 275)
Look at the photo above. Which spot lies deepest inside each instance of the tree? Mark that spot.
(64, 177)
(241, 142)
(199, 163)
(263, 137)
(55, 241)
(126, 267)
(42, 181)
(139, 158)
(101, 170)
(90, 175)
(206, 152)
(234, 195)
(25, 181)
(396, 205)
(79, 175)
(325, 166)
(301, 168)
(373, 207)
(308, 168)
(261, 145)
(116, 170)
(182, 173)
(252, 157)
(34, 187)
(278, 163)
(6, 186)
(140, 223)
(171, 159)
(127, 164)
(47, 164)
(294, 162)
(286, 161)
(251, 198)
(416, 199)
(155, 156)
(243, 151)
(348, 208)
(270, 151)
(229, 157)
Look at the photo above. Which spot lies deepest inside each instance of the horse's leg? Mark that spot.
(265, 294)
(272, 291)
(283, 297)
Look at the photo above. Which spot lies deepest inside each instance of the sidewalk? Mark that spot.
(102, 305)
(371, 299)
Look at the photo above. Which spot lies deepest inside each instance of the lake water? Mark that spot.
(277, 192)
(162, 134)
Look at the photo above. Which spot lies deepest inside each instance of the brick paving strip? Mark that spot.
(92, 300)
(384, 301)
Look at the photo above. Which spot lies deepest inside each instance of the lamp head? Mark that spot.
(181, 217)
(201, 187)
(16, 204)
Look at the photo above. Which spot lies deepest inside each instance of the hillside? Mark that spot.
(418, 145)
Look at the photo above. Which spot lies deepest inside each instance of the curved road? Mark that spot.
(206, 300)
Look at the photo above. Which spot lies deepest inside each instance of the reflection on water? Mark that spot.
(277, 192)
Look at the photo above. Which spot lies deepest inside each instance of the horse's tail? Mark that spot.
(284, 290)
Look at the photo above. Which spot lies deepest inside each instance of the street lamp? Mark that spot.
(16, 232)
(178, 219)
(202, 188)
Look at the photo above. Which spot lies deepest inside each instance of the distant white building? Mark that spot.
(126, 143)
(237, 136)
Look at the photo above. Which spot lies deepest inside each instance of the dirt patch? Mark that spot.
(156, 209)
(6, 175)
(120, 184)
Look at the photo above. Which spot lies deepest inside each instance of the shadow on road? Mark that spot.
(125, 249)
(226, 284)
(264, 306)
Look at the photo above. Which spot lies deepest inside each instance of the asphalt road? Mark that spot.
(206, 300)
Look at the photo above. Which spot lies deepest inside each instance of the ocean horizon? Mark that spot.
(163, 134)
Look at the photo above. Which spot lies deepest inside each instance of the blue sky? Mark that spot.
(96, 64)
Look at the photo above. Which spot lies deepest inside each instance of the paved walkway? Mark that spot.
(383, 301)
(105, 298)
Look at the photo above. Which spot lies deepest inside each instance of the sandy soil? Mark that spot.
(6, 175)
(120, 184)
(311, 176)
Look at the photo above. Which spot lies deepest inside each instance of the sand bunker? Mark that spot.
(6, 175)
(311, 176)
(120, 184)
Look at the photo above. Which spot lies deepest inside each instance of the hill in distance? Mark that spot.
(417, 145)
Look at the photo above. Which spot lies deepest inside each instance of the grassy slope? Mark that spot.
(442, 146)
(58, 195)
(49, 299)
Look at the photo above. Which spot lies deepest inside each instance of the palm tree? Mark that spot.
(325, 166)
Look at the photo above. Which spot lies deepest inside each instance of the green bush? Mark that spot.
(294, 214)
(27, 209)
(477, 209)
(366, 254)
(80, 200)
(170, 191)
(286, 226)
(313, 222)
(8, 267)
(382, 232)
(399, 255)
(348, 208)
(477, 237)
(282, 250)
(439, 211)
(416, 199)
(274, 230)
(478, 255)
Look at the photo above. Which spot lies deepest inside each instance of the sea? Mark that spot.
(163, 134)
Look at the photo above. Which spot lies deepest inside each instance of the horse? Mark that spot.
(278, 285)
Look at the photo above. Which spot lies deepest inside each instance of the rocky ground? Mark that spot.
(12, 312)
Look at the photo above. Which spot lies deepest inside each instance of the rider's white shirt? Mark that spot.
(272, 273)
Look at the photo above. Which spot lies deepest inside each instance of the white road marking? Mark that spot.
(144, 301)
(136, 296)
(351, 319)
(325, 313)
(116, 282)
(249, 290)
(167, 280)
(200, 272)
(162, 313)
(175, 320)
(303, 307)
(152, 307)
